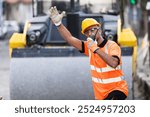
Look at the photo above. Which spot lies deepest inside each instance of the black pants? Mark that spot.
(116, 95)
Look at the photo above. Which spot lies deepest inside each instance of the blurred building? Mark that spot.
(18, 10)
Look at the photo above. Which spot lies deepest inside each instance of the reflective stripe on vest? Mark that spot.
(105, 81)
(105, 69)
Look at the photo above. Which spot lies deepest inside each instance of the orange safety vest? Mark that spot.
(106, 79)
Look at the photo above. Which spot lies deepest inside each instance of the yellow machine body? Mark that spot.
(127, 38)
(18, 40)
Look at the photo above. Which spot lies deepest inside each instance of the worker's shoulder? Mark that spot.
(112, 43)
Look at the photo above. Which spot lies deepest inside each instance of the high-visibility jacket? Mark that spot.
(106, 79)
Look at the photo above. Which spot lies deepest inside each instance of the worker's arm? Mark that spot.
(111, 60)
(69, 38)
(57, 20)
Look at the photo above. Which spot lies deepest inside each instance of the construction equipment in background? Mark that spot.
(43, 66)
(127, 39)
(67, 5)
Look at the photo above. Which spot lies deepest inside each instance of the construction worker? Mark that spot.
(105, 57)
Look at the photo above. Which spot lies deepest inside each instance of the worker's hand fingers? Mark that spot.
(51, 11)
(90, 42)
(89, 39)
(55, 16)
(63, 14)
(55, 10)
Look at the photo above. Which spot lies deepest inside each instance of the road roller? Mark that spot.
(44, 67)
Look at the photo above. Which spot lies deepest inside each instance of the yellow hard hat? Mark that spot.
(88, 22)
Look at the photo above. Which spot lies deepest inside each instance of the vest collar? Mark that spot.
(103, 43)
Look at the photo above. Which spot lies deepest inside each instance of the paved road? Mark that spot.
(4, 69)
